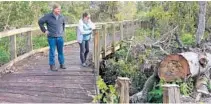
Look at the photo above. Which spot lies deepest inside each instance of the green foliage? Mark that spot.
(39, 41)
(4, 56)
(156, 94)
(185, 87)
(165, 15)
(73, 10)
(4, 51)
(70, 34)
(20, 13)
(187, 39)
(118, 66)
(107, 94)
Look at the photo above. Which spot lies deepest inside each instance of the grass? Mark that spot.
(39, 41)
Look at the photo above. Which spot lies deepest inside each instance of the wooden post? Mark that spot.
(121, 30)
(133, 27)
(29, 41)
(139, 23)
(96, 50)
(113, 37)
(171, 93)
(122, 85)
(104, 40)
(13, 53)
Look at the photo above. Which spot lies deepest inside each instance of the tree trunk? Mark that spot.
(141, 97)
(201, 23)
(184, 65)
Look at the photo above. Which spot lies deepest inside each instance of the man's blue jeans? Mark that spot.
(56, 42)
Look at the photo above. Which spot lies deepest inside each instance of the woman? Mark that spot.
(84, 32)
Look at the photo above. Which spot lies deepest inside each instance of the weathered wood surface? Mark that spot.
(122, 84)
(171, 93)
(35, 83)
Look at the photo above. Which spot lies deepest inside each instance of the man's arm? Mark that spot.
(80, 26)
(41, 23)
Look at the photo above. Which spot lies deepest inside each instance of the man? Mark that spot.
(84, 32)
(55, 31)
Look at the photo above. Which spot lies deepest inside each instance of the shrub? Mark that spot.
(4, 56)
(107, 94)
(187, 39)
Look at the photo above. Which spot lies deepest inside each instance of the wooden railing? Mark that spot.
(102, 47)
(100, 36)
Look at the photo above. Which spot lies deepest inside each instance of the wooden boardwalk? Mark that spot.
(35, 83)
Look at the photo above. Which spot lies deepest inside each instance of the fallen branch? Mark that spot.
(181, 46)
(164, 36)
(141, 97)
(156, 46)
(129, 48)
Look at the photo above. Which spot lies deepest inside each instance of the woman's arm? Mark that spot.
(80, 27)
(92, 25)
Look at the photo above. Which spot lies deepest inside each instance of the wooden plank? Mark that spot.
(104, 40)
(98, 54)
(96, 48)
(26, 29)
(17, 31)
(121, 31)
(47, 89)
(4, 68)
(48, 77)
(113, 37)
(37, 80)
(29, 41)
(12, 47)
(50, 94)
(23, 98)
(133, 28)
(59, 73)
(127, 30)
(50, 85)
(109, 50)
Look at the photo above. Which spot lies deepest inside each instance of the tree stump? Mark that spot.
(183, 65)
(122, 84)
(171, 93)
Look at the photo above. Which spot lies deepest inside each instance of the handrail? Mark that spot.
(27, 29)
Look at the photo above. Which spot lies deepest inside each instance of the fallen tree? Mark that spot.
(179, 66)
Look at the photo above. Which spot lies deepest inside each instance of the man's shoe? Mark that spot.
(84, 65)
(62, 67)
(53, 68)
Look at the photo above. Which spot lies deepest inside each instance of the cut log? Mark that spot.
(183, 66)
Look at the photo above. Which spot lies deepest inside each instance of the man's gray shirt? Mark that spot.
(55, 26)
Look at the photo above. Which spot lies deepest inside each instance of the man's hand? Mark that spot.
(46, 32)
